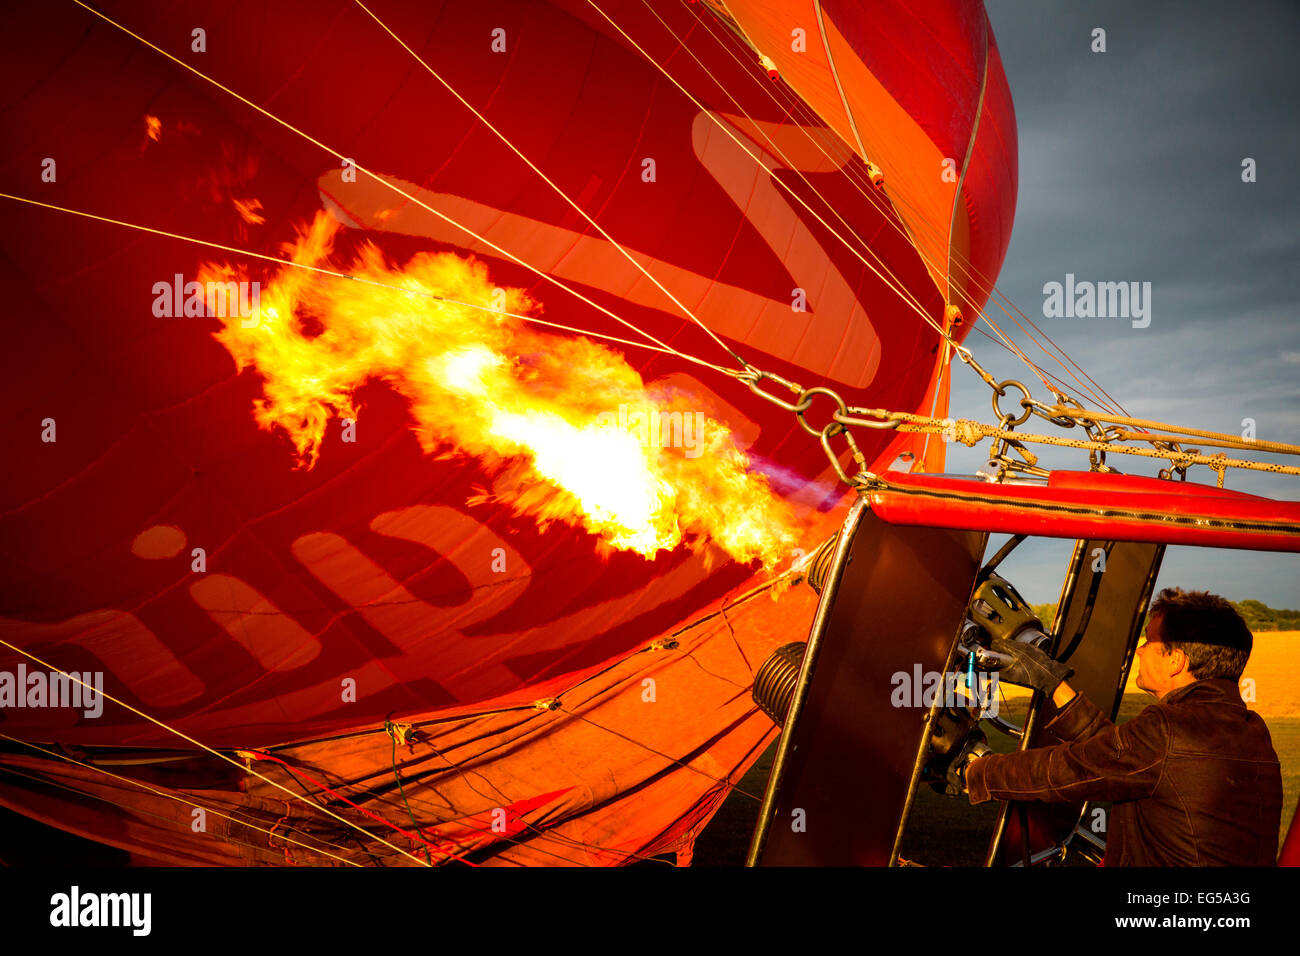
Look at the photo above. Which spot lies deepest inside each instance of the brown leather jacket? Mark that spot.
(1194, 778)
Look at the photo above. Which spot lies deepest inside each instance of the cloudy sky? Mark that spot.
(1131, 170)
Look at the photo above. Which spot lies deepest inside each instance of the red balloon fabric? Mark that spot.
(156, 534)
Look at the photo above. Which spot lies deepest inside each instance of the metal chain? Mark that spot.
(1100, 431)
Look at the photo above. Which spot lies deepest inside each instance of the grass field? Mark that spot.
(947, 831)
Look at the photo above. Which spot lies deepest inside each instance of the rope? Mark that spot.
(257, 755)
(1222, 439)
(546, 179)
(393, 731)
(230, 760)
(142, 813)
(895, 283)
(169, 796)
(538, 833)
(385, 183)
(726, 783)
(775, 179)
(971, 433)
(344, 275)
(874, 196)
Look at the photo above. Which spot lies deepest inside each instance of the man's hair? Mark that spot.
(1207, 629)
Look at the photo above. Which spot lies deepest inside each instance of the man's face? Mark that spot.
(1158, 667)
(1154, 666)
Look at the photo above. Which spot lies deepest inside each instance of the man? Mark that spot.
(1194, 777)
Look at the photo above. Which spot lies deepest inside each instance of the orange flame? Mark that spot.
(153, 128)
(567, 427)
(250, 210)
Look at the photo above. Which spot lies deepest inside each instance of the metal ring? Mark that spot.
(998, 391)
(806, 396)
(826, 434)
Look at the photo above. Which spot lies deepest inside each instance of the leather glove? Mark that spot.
(976, 747)
(1028, 666)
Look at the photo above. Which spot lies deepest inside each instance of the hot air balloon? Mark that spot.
(415, 411)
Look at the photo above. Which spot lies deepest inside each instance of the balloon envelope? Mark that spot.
(165, 540)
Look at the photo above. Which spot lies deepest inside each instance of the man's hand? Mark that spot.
(977, 746)
(1028, 666)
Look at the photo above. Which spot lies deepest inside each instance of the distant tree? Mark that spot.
(1045, 613)
(1260, 617)
(1257, 615)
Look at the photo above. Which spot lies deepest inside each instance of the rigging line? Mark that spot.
(775, 179)
(736, 641)
(726, 783)
(798, 108)
(358, 786)
(835, 75)
(287, 745)
(464, 716)
(960, 257)
(406, 803)
(1063, 385)
(853, 175)
(997, 296)
(748, 595)
(1064, 354)
(975, 276)
(540, 834)
(86, 794)
(690, 656)
(259, 755)
(741, 599)
(972, 273)
(872, 196)
(419, 779)
(546, 179)
(777, 151)
(970, 151)
(982, 313)
(364, 849)
(230, 760)
(970, 270)
(344, 275)
(800, 111)
(464, 773)
(180, 799)
(384, 182)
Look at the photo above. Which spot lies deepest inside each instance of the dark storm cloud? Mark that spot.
(1130, 170)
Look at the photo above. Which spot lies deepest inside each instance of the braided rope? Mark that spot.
(971, 433)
